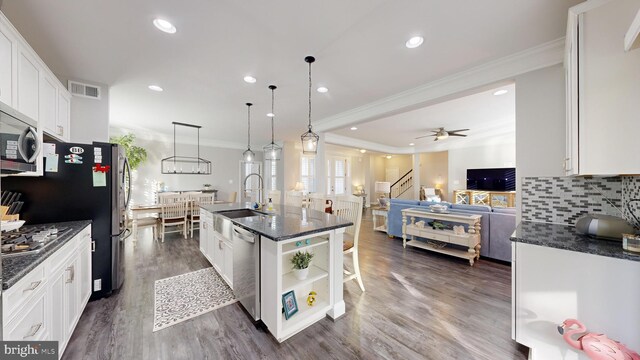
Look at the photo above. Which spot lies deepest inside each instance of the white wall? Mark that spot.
(434, 171)
(224, 175)
(489, 156)
(540, 124)
(89, 117)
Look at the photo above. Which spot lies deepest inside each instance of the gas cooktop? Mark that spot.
(30, 240)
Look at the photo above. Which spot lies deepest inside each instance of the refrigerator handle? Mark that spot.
(126, 164)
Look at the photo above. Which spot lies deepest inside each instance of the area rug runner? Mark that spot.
(186, 296)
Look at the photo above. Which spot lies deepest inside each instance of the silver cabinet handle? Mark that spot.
(34, 285)
(72, 274)
(34, 330)
(220, 244)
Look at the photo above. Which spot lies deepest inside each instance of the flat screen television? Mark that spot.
(499, 179)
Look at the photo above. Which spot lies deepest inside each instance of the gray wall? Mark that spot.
(89, 117)
(540, 125)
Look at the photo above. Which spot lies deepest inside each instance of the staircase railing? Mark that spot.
(402, 185)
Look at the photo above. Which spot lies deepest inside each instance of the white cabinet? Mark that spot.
(28, 83)
(63, 123)
(603, 84)
(218, 253)
(227, 262)
(8, 67)
(48, 103)
(46, 303)
(217, 249)
(552, 285)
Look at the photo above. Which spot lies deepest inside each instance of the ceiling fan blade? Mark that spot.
(452, 131)
(462, 135)
(436, 139)
(420, 137)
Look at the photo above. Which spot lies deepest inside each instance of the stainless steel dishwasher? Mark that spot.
(246, 270)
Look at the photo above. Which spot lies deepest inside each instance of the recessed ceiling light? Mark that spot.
(414, 42)
(500, 92)
(165, 26)
(249, 79)
(271, 114)
(388, 156)
(411, 144)
(363, 151)
(354, 128)
(155, 88)
(322, 89)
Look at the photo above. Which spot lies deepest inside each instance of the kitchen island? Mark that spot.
(279, 235)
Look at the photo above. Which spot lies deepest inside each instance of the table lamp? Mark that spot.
(383, 187)
(299, 186)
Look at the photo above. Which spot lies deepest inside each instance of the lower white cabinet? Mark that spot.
(217, 249)
(46, 304)
(227, 262)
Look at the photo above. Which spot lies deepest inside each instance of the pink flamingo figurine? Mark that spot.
(596, 346)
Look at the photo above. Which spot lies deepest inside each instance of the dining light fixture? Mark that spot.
(272, 151)
(309, 138)
(248, 155)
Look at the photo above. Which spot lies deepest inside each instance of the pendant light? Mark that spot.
(309, 138)
(272, 151)
(248, 155)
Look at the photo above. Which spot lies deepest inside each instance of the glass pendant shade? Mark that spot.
(309, 138)
(272, 151)
(248, 155)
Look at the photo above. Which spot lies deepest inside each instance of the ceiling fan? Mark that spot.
(442, 134)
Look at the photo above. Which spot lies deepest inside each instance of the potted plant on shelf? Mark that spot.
(301, 261)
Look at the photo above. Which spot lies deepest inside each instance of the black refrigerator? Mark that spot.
(90, 182)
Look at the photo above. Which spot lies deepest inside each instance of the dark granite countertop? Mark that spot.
(284, 222)
(15, 268)
(565, 237)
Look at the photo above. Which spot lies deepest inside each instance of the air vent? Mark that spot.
(84, 90)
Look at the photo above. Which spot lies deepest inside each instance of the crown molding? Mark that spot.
(148, 135)
(500, 70)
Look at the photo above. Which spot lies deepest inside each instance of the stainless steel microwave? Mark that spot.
(20, 144)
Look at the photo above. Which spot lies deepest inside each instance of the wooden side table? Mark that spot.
(380, 212)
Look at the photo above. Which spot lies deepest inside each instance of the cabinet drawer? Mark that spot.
(30, 324)
(22, 291)
(59, 258)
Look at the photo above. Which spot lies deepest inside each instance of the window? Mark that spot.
(274, 175)
(308, 173)
(337, 176)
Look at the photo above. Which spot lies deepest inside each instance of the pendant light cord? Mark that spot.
(249, 126)
(272, 113)
(309, 96)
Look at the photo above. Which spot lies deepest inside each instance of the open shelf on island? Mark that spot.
(316, 241)
(305, 316)
(290, 282)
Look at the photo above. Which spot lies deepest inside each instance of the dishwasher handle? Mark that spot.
(244, 235)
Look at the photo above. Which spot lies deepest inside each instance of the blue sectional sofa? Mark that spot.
(497, 224)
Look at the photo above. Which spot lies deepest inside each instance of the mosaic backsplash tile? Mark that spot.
(630, 191)
(562, 200)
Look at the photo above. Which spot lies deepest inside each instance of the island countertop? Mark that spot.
(284, 222)
(565, 237)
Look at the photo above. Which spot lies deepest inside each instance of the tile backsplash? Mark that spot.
(562, 200)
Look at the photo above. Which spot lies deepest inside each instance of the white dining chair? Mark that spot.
(174, 214)
(318, 201)
(349, 207)
(194, 214)
(293, 198)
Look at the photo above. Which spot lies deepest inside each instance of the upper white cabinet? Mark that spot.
(28, 83)
(29, 86)
(8, 68)
(603, 88)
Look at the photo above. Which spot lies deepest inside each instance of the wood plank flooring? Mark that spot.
(418, 305)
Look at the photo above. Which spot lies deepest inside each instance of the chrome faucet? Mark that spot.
(260, 184)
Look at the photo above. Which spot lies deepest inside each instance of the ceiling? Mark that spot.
(490, 118)
(359, 46)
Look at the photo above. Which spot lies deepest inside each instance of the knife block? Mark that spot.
(3, 211)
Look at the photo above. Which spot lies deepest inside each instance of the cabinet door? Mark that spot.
(64, 115)
(48, 105)
(227, 272)
(85, 272)
(55, 294)
(8, 49)
(204, 230)
(71, 303)
(28, 83)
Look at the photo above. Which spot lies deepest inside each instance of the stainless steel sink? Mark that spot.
(241, 213)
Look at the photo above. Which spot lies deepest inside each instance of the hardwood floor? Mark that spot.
(418, 305)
